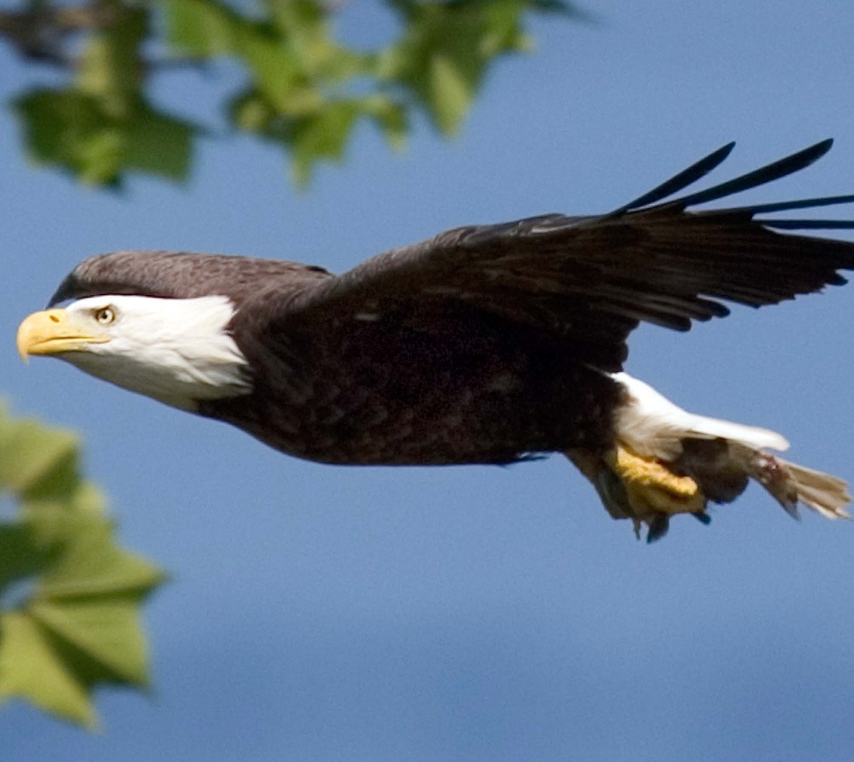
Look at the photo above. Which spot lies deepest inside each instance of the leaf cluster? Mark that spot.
(69, 595)
(299, 86)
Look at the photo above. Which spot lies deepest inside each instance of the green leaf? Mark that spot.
(33, 668)
(75, 623)
(105, 638)
(321, 136)
(159, 144)
(446, 50)
(61, 127)
(392, 118)
(302, 26)
(22, 554)
(80, 133)
(92, 565)
(200, 28)
(440, 59)
(273, 68)
(34, 460)
(110, 64)
(449, 92)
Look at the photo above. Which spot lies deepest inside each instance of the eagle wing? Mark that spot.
(593, 279)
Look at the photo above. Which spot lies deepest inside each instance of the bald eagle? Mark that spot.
(484, 344)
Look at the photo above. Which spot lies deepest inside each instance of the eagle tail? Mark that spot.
(666, 461)
(824, 493)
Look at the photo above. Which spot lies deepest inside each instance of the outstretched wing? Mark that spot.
(594, 278)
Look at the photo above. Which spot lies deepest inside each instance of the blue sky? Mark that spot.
(477, 613)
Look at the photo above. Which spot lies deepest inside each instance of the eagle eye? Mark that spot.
(105, 315)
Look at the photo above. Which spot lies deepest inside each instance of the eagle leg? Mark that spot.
(642, 489)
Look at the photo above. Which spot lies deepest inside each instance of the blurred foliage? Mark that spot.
(300, 87)
(69, 595)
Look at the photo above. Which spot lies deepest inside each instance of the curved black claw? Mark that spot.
(658, 526)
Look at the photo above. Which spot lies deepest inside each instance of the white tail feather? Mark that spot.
(654, 427)
(823, 493)
(750, 436)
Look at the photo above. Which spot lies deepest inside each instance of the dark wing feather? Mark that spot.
(770, 172)
(679, 181)
(593, 278)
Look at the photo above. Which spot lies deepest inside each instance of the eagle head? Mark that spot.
(178, 351)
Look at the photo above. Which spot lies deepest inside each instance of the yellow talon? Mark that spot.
(651, 487)
(650, 473)
(644, 490)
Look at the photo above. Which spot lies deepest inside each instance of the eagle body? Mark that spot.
(427, 381)
(484, 344)
(443, 386)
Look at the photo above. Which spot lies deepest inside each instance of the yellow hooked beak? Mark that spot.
(52, 332)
